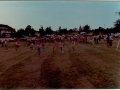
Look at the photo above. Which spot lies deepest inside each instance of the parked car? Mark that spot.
(83, 33)
(117, 35)
(23, 39)
(11, 39)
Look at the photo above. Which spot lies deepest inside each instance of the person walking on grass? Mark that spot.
(2, 41)
(31, 46)
(108, 40)
(88, 39)
(17, 45)
(61, 46)
(38, 47)
(97, 39)
(105, 36)
(91, 40)
(6, 45)
(53, 46)
(73, 44)
(43, 45)
(111, 40)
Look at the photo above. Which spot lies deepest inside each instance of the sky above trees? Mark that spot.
(68, 14)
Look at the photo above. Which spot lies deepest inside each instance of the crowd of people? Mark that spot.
(59, 41)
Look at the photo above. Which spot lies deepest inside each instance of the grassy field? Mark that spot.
(88, 66)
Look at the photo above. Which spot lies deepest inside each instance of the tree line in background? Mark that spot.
(29, 31)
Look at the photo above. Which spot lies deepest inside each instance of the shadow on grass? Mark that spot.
(53, 77)
(50, 75)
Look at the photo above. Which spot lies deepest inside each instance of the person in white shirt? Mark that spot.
(6, 45)
(31, 46)
(111, 39)
(62, 46)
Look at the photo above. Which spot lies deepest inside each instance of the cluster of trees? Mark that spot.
(27, 31)
(43, 31)
(61, 31)
(30, 31)
(114, 29)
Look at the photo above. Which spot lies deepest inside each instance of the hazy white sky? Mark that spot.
(68, 14)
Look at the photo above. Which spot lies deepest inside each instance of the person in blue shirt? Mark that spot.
(38, 48)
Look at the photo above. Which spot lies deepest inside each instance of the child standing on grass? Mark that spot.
(17, 45)
(6, 45)
(61, 46)
(2, 42)
(111, 40)
(38, 49)
(108, 40)
(31, 46)
(91, 40)
(73, 44)
(53, 46)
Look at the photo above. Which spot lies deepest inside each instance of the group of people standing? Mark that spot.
(5, 44)
(93, 39)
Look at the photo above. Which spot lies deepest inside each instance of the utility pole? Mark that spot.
(104, 26)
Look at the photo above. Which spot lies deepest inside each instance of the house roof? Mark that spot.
(7, 26)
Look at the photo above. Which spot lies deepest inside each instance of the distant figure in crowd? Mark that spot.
(17, 45)
(108, 40)
(53, 46)
(111, 40)
(43, 45)
(31, 46)
(62, 46)
(38, 47)
(105, 36)
(73, 44)
(2, 42)
(6, 45)
(96, 38)
(91, 40)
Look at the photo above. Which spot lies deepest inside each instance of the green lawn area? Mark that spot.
(88, 66)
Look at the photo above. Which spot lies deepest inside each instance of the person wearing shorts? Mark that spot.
(6, 45)
(108, 40)
(17, 45)
(73, 45)
(53, 46)
(31, 46)
(61, 46)
(38, 49)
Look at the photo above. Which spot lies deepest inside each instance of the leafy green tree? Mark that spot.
(70, 30)
(86, 28)
(29, 31)
(49, 30)
(80, 30)
(65, 31)
(32, 32)
(42, 31)
(13, 34)
(20, 32)
(117, 23)
(60, 30)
